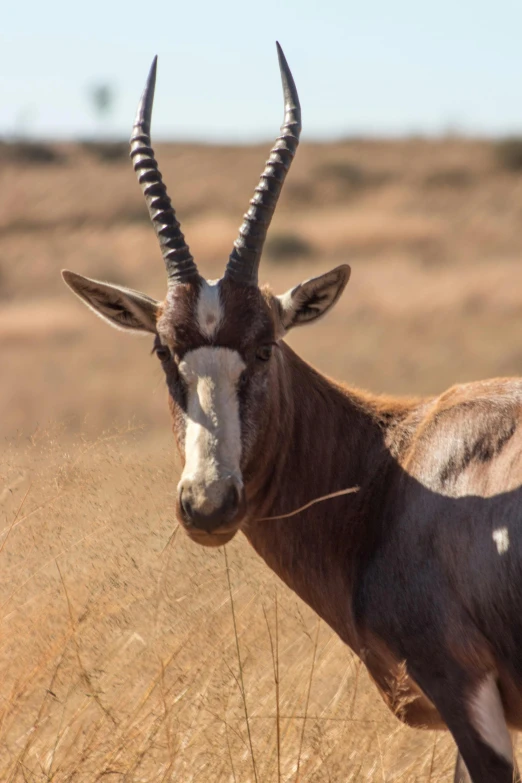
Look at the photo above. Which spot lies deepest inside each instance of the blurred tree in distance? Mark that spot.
(102, 97)
(104, 148)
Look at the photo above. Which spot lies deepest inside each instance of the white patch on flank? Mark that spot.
(487, 716)
(501, 538)
(213, 431)
(210, 310)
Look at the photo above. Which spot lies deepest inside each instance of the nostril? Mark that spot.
(186, 506)
(231, 500)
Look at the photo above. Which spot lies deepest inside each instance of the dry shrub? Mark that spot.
(451, 177)
(509, 153)
(33, 153)
(287, 247)
(107, 151)
(350, 176)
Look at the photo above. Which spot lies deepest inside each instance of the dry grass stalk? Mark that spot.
(240, 665)
(354, 695)
(83, 671)
(301, 740)
(310, 503)
(432, 758)
(383, 776)
(274, 650)
(399, 693)
(13, 523)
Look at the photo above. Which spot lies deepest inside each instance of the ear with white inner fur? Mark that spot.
(122, 307)
(313, 298)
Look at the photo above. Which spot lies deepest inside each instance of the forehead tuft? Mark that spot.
(209, 309)
(216, 312)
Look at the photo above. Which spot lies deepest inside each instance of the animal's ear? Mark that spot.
(313, 298)
(121, 307)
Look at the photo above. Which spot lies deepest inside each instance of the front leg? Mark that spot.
(461, 771)
(462, 775)
(475, 716)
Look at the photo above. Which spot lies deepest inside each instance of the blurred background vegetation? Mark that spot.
(430, 227)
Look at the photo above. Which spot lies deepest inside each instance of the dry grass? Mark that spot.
(127, 653)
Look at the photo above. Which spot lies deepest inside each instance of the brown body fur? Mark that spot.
(420, 454)
(406, 571)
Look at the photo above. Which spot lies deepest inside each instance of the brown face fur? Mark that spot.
(249, 327)
(220, 344)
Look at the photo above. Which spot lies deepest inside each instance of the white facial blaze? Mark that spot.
(213, 431)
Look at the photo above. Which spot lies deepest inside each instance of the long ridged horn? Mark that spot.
(244, 260)
(176, 254)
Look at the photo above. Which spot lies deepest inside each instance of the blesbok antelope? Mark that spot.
(422, 568)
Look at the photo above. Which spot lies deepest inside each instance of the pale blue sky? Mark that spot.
(379, 66)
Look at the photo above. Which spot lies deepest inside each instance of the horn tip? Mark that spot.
(290, 90)
(144, 112)
(152, 71)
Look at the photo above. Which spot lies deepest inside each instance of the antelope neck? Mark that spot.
(326, 439)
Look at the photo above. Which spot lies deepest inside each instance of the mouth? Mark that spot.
(213, 539)
(214, 528)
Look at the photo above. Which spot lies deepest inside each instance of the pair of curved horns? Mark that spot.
(244, 260)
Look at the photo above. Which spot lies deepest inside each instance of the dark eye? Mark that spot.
(163, 353)
(264, 352)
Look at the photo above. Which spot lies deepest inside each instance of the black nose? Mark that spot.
(185, 504)
(218, 517)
